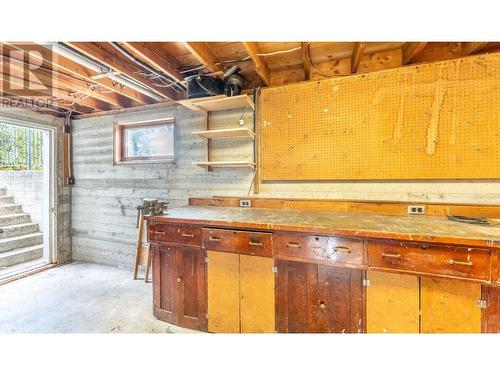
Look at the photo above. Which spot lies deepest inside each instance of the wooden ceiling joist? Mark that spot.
(261, 68)
(204, 55)
(411, 50)
(154, 59)
(103, 56)
(469, 48)
(357, 53)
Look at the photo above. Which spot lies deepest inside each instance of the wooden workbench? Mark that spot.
(230, 269)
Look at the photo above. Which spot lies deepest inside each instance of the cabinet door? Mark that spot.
(450, 306)
(256, 294)
(491, 314)
(340, 296)
(223, 275)
(191, 288)
(296, 297)
(164, 283)
(392, 303)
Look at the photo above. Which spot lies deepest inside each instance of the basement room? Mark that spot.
(181, 181)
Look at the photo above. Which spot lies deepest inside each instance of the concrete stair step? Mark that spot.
(21, 255)
(13, 219)
(18, 230)
(4, 199)
(6, 209)
(17, 242)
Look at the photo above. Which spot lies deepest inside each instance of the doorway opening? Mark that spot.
(26, 198)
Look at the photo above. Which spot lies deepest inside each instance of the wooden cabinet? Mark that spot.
(450, 306)
(392, 303)
(491, 314)
(179, 285)
(240, 293)
(318, 298)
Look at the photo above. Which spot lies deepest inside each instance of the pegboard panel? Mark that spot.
(433, 121)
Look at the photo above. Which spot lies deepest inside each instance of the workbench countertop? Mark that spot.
(406, 228)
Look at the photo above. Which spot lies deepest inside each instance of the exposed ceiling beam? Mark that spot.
(17, 83)
(111, 60)
(67, 65)
(261, 68)
(203, 54)
(154, 59)
(357, 53)
(469, 48)
(56, 80)
(411, 50)
(306, 59)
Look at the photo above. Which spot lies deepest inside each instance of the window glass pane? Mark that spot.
(149, 141)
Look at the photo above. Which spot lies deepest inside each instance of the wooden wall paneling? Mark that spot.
(450, 306)
(296, 297)
(223, 279)
(340, 296)
(491, 314)
(191, 288)
(257, 307)
(392, 303)
(164, 283)
(363, 127)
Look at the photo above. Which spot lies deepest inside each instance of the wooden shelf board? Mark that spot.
(227, 164)
(242, 132)
(218, 103)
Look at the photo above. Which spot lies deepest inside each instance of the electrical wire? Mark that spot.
(279, 52)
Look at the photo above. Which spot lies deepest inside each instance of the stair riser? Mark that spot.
(21, 219)
(7, 210)
(13, 232)
(6, 200)
(21, 258)
(22, 242)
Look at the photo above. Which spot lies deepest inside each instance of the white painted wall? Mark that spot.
(105, 196)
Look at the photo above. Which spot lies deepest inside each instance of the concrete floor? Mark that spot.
(80, 298)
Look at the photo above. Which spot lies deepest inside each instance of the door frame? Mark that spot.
(50, 194)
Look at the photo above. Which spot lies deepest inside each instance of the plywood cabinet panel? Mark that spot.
(392, 303)
(491, 314)
(223, 278)
(257, 294)
(450, 306)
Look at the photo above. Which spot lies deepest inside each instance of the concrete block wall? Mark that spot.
(105, 196)
(27, 189)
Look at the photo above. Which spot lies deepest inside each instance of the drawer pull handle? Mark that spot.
(393, 256)
(459, 263)
(251, 243)
(190, 235)
(322, 305)
(215, 239)
(179, 279)
(159, 232)
(342, 249)
(293, 244)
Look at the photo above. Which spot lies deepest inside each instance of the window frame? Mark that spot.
(119, 143)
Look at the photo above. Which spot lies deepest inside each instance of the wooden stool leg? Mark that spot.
(138, 254)
(148, 265)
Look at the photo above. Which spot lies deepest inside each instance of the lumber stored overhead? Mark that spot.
(96, 77)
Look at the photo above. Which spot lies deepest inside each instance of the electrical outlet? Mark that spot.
(245, 203)
(416, 210)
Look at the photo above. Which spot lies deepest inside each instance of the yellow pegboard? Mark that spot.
(433, 121)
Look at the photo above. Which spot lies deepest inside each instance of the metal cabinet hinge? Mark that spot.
(206, 259)
(482, 303)
(275, 269)
(206, 316)
(366, 282)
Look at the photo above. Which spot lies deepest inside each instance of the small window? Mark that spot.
(144, 142)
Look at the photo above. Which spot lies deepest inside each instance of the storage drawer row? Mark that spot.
(450, 261)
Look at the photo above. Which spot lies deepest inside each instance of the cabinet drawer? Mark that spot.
(181, 234)
(331, 249)
(236, 241)
(463, 262)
